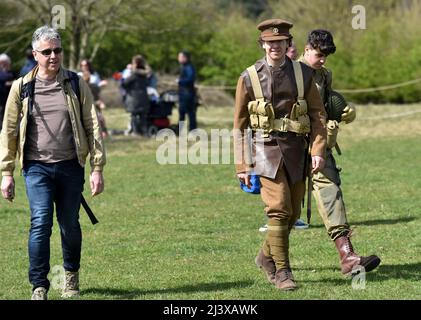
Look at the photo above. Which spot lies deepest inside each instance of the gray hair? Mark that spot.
(6, 58)
(45, 33)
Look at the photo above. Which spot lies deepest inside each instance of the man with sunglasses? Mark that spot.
(52, 135)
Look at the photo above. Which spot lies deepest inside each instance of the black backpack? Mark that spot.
(28, 90)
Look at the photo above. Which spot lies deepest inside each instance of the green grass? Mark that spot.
(189, 232)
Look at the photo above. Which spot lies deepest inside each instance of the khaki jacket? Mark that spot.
(87, 137)
(323, 80)
(289, 149)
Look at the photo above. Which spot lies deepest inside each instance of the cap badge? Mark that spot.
(275, 31)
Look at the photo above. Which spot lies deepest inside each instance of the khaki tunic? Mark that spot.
(326, 183)
(288, 149)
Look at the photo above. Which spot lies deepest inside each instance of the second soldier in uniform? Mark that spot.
(326, 183)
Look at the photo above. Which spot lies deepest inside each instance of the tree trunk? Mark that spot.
(75, 35)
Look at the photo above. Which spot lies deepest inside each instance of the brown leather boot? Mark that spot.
(351, 263)
(267, 264)
(284, 280)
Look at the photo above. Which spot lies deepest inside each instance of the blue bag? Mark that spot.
(255, 185)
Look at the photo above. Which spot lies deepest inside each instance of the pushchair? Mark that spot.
(160, 109)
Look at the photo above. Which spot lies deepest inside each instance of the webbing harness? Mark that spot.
(262, 115)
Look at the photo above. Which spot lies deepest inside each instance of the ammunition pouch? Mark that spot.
(262, 115)
(299, 119)
(332, 133)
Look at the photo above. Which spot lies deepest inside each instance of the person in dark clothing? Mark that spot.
(6, 79)
(137, 101)
(30, 62)
(186, 90)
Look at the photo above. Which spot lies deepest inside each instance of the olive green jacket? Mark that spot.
(87, 136)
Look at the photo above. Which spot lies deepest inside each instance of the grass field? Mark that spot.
(189, 232)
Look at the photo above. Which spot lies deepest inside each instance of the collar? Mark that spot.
(61, 76)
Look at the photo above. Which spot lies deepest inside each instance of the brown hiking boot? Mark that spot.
(351, 263)
(284, 280)
(267, 265)
(71, 285)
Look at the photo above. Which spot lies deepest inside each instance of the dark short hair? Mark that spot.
(89, 64)
(186, 54)
(322, 40)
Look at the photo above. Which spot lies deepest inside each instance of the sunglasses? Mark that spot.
(47, 52)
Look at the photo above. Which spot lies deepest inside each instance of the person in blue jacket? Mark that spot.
(30, 62)
(186, 90)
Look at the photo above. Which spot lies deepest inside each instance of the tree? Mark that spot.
(84, 19)
(91, 23)
(232, 48)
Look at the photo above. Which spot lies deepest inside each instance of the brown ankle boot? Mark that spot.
(284, 280)
(267, 264)
(351, 263)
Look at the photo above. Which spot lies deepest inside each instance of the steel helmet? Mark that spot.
(335, 105)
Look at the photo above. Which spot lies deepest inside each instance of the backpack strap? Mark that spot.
(299, 79)
(28, 91)
(73, 78)
(74, 83)
(255, 82)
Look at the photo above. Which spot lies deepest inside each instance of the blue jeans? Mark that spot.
(59, 183)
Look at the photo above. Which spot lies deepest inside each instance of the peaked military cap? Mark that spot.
(274, 29)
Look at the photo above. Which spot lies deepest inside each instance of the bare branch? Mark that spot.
(9, 45)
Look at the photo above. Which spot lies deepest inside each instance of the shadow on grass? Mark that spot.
(383, 221)
(331, 281)
(408, 271)
(135, 293)
(333, 269)
(373, 222)
(314, 226)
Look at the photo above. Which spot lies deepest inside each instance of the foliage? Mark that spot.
(385, 53)
(221, 36)
(231, 50)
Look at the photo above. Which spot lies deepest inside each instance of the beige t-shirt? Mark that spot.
(49, 135)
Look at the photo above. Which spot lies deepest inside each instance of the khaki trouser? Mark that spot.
(282, 206)
(329, 198)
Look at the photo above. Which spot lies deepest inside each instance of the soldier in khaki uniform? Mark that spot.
(279, 97)
(326, 183)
